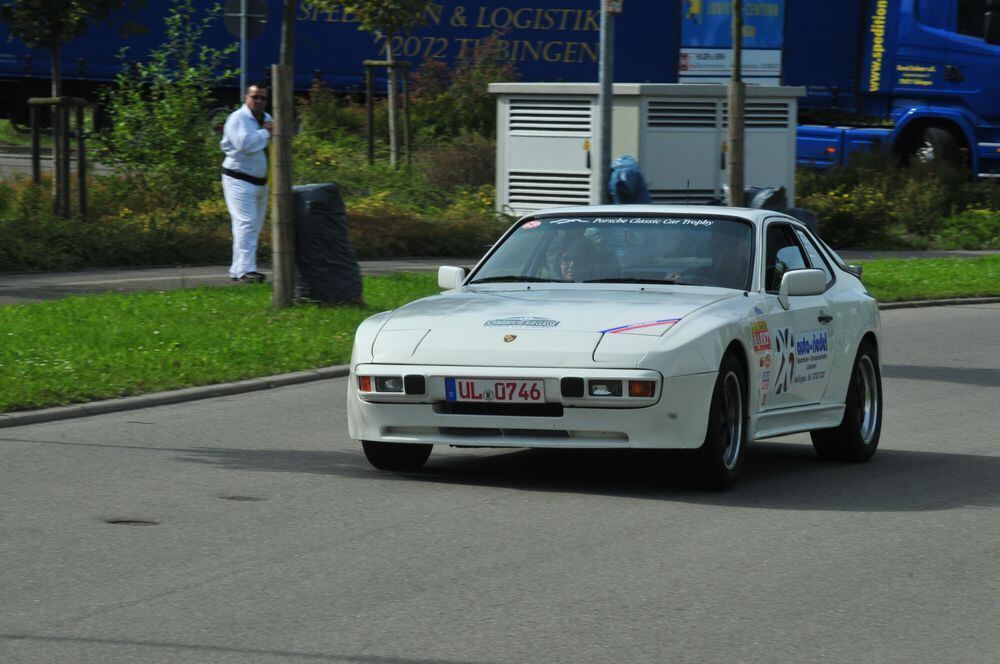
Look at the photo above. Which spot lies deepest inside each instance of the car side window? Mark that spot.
(781, 254)
(815, 257)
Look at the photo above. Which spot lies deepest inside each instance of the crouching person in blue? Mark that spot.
(627, 185)
(244, 179)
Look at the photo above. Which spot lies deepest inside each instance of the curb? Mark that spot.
(913, 304)
(281, 380)
(169, 397)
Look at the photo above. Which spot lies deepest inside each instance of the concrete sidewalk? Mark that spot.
(23, 287)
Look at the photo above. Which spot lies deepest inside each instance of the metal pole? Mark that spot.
(604, 100)
(243, 48)
(736, 102)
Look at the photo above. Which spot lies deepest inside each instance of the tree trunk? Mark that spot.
(282, 196)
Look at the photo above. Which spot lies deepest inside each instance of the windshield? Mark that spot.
(695, 250)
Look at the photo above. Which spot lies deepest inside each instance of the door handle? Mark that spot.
(824, 318)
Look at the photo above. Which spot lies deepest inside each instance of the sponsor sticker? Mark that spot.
(637, 326)
(521, 321)
(802, 358)
(532, 224)
(761, 336)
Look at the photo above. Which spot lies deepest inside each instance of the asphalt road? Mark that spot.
(275, 542)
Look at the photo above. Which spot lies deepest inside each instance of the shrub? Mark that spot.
(971, 229)
(330, 116)
(381, 229)
(469, 162)
(448, 106)
(859, 216)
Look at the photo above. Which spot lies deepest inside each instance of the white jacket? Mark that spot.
(244, 142)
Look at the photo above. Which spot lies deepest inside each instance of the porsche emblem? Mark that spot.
(507, 338)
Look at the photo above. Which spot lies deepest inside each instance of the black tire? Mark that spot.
(856, 438)
(396, 456)
(717, 463)
(936, 144)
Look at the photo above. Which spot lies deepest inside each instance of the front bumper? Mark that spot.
(676, 418)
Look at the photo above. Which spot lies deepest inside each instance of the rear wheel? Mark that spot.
(856, 438)
(717, 463)
(396, 456)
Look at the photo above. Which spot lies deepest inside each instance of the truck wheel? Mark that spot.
(396, 456)
(716, 464)
(856, 438)
(936, 144)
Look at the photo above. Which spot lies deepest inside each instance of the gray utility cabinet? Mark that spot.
(547, 135)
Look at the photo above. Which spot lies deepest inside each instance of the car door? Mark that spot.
(796, 359)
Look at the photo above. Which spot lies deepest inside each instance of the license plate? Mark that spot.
(496, 390)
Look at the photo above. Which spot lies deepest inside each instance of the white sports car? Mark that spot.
(678, 327)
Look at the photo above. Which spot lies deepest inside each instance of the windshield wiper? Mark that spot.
(636, 280)
(516, 278)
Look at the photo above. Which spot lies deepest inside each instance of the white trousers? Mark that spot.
(247, 205)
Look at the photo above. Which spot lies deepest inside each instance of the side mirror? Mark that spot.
(801, 282)
(450, 276)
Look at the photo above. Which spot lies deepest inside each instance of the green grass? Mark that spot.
(9, 136)
(100, 346)
(111, 345)
(901, 279)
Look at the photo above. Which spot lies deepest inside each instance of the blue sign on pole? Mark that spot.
(707, 45)
(708, 24)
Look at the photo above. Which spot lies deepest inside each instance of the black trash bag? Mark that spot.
(326, 266)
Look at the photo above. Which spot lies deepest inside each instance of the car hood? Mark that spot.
(542, 327)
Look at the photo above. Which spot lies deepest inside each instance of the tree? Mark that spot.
(387, 19)
(161, 136)
(49, 24)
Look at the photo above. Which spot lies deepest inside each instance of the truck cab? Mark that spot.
(927, 73)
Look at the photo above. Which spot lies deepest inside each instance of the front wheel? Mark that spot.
(396, 456)
(856, 437)
(936, 144)
(716, 464)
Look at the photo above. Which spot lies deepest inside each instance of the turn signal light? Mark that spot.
(642, 388)
(364, 383)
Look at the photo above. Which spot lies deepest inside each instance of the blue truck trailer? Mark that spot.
(918, 77)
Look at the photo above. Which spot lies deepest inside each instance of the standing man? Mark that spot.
(244, 179)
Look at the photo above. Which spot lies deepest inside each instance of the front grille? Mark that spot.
(501, 409)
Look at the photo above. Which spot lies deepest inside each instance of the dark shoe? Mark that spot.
(251, 278)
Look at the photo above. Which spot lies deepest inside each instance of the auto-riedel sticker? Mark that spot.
(521, 321)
